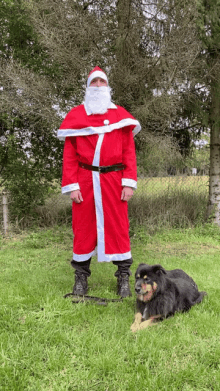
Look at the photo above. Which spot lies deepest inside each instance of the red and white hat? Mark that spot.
(96, 72)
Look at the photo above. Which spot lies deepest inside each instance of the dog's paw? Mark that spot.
(145, 324)
(139, 325)
(136, 325)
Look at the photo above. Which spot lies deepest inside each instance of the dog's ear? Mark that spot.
(158, 269)
(137, 274)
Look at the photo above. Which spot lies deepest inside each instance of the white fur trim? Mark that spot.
(107, 258)
(129, 182)
(116, 257)
(136, 130)
(62, 133)
(69, 188)
(98, 202)
(83, 257)
(95, 74)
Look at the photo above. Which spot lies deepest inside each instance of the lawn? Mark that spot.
(50, 344)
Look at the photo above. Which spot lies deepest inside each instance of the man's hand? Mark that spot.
(127, 193)
(76, 196)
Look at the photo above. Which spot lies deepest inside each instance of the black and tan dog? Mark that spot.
(161, 293)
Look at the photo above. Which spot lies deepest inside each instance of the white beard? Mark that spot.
(97, 99)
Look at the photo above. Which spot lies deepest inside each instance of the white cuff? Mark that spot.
(69, 188)
(129, 182)
(84, 257)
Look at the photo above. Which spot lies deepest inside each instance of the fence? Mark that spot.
(5, 213)
(176, 201)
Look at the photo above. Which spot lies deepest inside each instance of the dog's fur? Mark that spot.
(161, 293)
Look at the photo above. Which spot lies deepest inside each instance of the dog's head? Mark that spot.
(147, 281)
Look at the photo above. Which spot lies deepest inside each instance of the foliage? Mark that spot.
(25, 65)
(30, 155)
(25, 179)
(72, 36)
(141, 46)
(159, 157)
(208, 24)
(27, 167)
(200, 155)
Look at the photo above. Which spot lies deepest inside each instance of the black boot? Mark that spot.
(80, 287)
(82, 272)
(123, 273)
(123, 285)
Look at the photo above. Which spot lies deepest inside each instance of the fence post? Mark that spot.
(5, 212)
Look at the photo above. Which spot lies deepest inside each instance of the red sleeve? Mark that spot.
(129, 155)
(70, 162)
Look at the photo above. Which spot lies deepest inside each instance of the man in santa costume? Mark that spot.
(100, 174)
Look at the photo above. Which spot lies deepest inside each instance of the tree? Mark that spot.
(156, 47)
(29, 152)
(209, 29)
(148, 53)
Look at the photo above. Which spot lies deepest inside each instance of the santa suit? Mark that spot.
(100, 222)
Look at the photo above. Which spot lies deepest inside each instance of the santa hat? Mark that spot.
(96, 72)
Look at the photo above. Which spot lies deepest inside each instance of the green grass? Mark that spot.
(47, 343)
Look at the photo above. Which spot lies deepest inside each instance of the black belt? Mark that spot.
(103, 169)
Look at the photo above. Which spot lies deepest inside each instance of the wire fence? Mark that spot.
(174, 200)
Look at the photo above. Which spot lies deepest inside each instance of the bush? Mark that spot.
(159, 157)
(27, 181)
